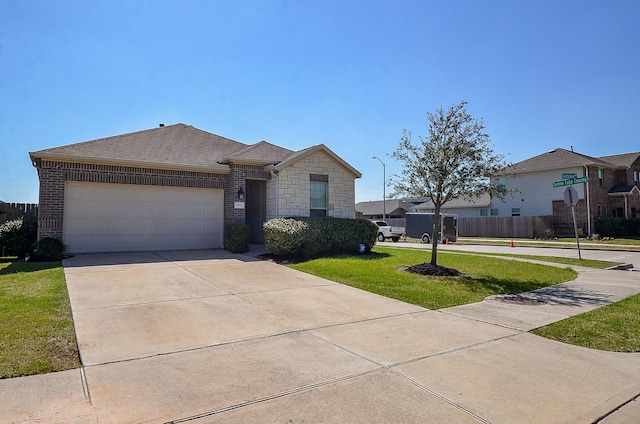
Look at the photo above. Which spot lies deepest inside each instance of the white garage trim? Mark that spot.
(120, 217)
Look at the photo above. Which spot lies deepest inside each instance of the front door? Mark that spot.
(256, 209)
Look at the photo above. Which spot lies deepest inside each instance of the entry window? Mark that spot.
(318, 185)
(600, 178)
(515, 211)
(494, 212)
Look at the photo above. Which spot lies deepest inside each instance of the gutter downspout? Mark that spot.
(586, 174)
(275, 175)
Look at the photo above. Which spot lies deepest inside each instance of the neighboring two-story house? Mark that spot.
(612, 189)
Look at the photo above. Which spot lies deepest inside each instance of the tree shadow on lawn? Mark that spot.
(495, 285)
(297, 259)
(16, 266)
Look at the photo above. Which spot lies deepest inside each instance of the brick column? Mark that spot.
(51, 207)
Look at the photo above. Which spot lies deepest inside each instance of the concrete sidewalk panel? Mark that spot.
(130, 286)
(529, 379)
(333, 304)
(518, 317)
(127, 332)
(244, 277)
(175, 386)
(57, 397)
(379, 397)
(402, 338)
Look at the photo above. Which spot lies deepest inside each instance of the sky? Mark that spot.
(352, 75)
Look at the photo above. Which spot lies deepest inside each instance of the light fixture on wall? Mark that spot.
(241, 194)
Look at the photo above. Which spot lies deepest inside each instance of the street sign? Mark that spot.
(563, 183)
(569, 175)
(570, 196)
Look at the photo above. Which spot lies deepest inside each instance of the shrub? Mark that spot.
(17, 237)
(618, 227)
(237, 238)
(49, 249)
(284, 236)
(311, 237)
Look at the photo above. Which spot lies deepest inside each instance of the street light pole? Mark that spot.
(384, 184)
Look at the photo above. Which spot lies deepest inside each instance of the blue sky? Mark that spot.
(349, 74)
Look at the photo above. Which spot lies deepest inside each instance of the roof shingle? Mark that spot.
(172, 145)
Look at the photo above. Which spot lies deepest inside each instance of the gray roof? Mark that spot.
(375, 207)
(560, 158)
(482, 202)
(624, 189)
(259, 153)
(180, 146)
(172, 145)
(557, 159)
(622, 161)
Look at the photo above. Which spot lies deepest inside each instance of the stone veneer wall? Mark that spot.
(53, 175)
(293, 188)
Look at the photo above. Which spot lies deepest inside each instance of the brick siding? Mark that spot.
(238, 179)
(54, 174)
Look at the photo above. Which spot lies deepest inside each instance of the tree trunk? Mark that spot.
(435, 235)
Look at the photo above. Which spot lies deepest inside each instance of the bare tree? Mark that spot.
(455, 161)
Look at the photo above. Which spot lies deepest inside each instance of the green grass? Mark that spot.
(615, 327)
(590, 263)
(380, 272)
(630, 244)
(615, 241)
(36, 326)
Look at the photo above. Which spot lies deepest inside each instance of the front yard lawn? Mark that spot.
(615, 327)
(36, 327)
(381, 272)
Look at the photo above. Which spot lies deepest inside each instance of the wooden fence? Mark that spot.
(505, 226)
(498, 226)
(10, 211)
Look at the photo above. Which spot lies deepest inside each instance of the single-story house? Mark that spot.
(612, 188)
(176, 187)
(375, 209)
(464, 208)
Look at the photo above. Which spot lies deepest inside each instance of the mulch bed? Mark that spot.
(435, 270)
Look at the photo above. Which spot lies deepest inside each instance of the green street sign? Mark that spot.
(572, 181)
(569, 175)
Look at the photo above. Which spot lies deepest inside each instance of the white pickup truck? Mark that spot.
(386, 231)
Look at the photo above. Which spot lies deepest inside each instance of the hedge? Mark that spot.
(311, 237)
(618, 227)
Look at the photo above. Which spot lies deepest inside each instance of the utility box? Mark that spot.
(420, 226)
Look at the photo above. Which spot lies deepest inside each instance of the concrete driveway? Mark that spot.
(208, 336)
